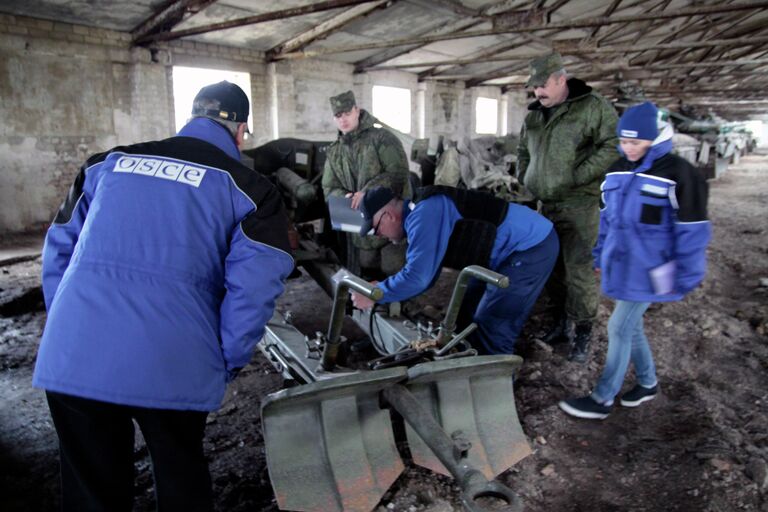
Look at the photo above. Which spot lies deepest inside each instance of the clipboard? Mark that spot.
(343, 216)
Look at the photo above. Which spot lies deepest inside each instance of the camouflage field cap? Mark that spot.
(342, 103)
(543, 66)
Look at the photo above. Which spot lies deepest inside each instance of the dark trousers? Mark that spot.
(501, 313)
(96, 446)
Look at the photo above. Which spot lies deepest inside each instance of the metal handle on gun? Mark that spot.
(344, 281)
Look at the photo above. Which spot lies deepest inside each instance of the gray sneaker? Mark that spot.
(638, 395)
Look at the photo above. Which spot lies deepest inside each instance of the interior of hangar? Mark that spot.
(82, 77)
(449, 79)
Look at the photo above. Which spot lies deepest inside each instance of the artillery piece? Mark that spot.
(330, 440)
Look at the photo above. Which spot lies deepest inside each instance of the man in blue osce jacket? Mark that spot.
(450, 227)
(160, 271)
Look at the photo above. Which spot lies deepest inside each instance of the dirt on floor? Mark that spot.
(702, 445)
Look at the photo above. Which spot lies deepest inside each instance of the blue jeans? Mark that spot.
(626, 342)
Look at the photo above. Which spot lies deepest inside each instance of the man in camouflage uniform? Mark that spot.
(567, 142)
(365, 156)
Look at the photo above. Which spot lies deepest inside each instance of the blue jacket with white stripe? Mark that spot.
(652, 212)
(160, 272)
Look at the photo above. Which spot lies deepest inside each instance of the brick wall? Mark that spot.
(70, 91)
(58, 83)
(303, 89)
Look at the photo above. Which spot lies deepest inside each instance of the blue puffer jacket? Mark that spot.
(160, 271)
(652, 212)
(428, 225)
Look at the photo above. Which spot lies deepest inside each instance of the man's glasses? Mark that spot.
(376, 227)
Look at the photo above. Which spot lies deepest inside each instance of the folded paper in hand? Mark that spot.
(663, 278)
(343, 216)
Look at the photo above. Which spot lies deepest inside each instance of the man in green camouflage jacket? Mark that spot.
(364, 156)
(567, 142)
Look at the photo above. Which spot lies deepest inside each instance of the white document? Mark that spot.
(663, 278)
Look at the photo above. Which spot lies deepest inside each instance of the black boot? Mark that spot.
(581, 339)
(558, 333)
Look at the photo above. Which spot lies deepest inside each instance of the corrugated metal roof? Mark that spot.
(706, 54)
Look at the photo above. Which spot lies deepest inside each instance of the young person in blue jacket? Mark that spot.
(651, 248)
(450, 227)
(160, 272)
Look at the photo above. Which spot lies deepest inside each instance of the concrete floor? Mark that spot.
(20, 247)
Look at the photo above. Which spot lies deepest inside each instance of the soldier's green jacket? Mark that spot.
(367, 157)
(363, 158)
(565, 157)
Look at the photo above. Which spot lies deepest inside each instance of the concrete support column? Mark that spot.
(466, 127)
(517, 108)
(421, 109)
(363, 89)
(273, 111)
(503, 115)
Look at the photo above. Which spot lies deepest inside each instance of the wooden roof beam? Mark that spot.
(504, 71)
(554, 7)
(735, 21)
(252, 20)
(726, 80)
(706, 101)
(692, 64)
(606, 36)
(691, 26)
(688, 27)
(689, 30)
(648, 25)
(463, 10)
(577, 23)
(733, 18)
(397, 51)
(499, 73)
(508, 5)
(170, 14)
(483, 55)
(731, 53)
(691, 78)
(740, 57)
(455, 27)
(611, 8)
(743, 93)
(745, 29)
(506, 19)
(640, 74)
(327, 27)
(607, 50)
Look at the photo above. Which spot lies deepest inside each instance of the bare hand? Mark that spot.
(361, 301)
(356, 198)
